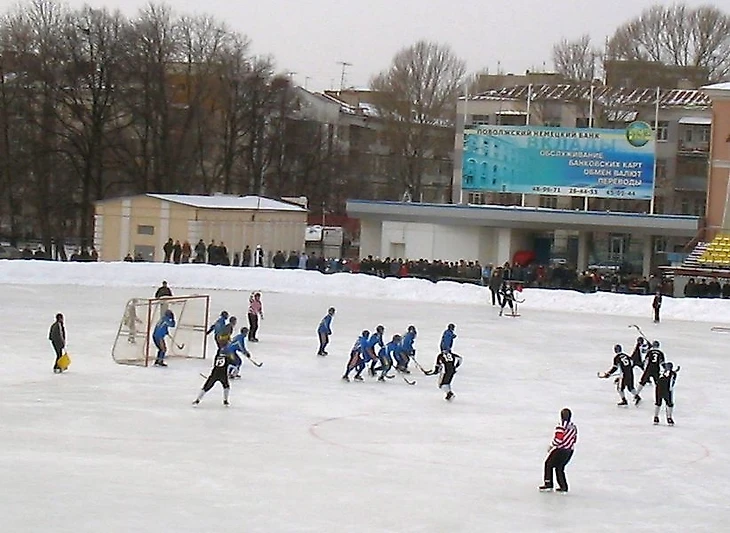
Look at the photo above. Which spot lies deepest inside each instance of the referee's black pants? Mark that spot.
(557, 460)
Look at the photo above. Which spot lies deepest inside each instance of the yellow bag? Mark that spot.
(64, 361)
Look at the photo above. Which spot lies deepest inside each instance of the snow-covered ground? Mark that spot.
(112, 448)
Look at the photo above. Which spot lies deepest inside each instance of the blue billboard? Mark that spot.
(601, 163)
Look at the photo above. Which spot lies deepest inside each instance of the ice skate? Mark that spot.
(196, 402)
(545, 488)
(381, 378)
(225, 402)
(670, 421)
(656, 420)
(346, 378)
(637, 400)
(450, 395)
(358, 378)
(561, 489)
(623, 402)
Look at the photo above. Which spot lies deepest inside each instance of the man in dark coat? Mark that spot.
(57, 336)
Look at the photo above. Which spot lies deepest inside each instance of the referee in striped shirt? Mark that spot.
(560, 452)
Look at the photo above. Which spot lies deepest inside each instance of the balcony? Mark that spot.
(691, 184)
(693, 148)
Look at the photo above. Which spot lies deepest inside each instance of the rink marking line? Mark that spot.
(363, 448)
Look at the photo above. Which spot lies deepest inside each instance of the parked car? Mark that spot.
(9, 252)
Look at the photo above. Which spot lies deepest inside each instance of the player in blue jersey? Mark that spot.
(356, 357)
(386, 355)
(217, 329)
(375, 340)
(325, 330)
(407, 349)
(162, 330)
(233, 349)
(447, 339)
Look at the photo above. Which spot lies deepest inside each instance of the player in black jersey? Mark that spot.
(637, 356)
(446, 365)
(219, 373)
(652, 365)
(623, 362)
(664, 392)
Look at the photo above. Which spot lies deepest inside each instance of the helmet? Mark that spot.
(169, 314)
(565, 414)
(411, 329)
(668, 366)
(244, 330)
(224, 314)
(640, 340)
(365, 333)
(618, 349)
(396, 338)
(233, 320)
(331, 311)
(451, 327)
(380, 329)
(655, 344)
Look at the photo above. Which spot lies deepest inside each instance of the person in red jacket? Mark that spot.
(560, 452)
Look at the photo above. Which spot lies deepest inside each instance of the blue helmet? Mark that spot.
(169, 314)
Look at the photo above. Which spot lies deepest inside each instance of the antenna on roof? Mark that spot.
(344, 65)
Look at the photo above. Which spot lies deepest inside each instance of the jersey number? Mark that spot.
(220, 362)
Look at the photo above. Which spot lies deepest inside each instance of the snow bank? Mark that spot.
(201, 277)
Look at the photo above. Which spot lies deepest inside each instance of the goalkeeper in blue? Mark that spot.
(162, 330)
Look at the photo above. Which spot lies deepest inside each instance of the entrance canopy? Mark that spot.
(530, 218)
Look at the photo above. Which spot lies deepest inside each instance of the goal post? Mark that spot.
(133, 344)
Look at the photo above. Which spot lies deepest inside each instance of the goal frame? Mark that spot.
(198, 326)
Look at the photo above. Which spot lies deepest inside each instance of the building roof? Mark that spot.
(498, 216)
(605, 95)
(228, 201)
(723, 86)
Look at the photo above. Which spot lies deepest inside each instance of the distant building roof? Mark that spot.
(228, 201)
(603, 95)
(724, 86)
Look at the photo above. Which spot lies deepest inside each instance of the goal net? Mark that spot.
(133, 344)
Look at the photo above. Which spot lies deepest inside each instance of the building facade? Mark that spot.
(141, 225)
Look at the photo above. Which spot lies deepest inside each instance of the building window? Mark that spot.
(616, 247)
(662, 130)
(684, 206)
(480, 120)
(145, 230)
(661, 169)
(552, 123)
(550, 202)
(660, 245)
(581, 122)
(475, 198)
(704, 134)
(699, 207)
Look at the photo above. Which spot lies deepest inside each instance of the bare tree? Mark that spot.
(416, 97)
(576, 60)
(676, 35)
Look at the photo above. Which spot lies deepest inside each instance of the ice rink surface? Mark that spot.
(111, 448)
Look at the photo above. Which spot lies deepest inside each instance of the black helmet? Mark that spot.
(618, 349)
(233, 320)
(655, 344)
(380, 329)
(331, 311)
(640, 340)
(365, 333)
(565, 414)
(411, 329)
(224, 314)
(244, 330)
(396, 338)
(668, 366)
(451, 326)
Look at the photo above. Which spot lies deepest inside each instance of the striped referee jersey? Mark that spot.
(566, 435)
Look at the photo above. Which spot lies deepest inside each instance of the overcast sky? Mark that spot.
(311, 37)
